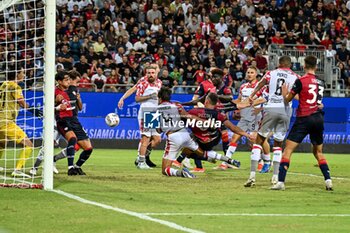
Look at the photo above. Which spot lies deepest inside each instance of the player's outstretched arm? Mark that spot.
(235, 129)
(195, 101)
(126, 95)
(260, 85)
(36, 112)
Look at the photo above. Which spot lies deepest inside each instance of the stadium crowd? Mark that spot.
(109, 42)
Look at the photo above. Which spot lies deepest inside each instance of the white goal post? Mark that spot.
(27, 62)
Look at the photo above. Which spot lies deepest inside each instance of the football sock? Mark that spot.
(61, 155)
(277, 155)
(225, 141)
(231, 149)
(266, 158)
(283, 170)
(254, 160)
(149, 150)
(25, 153)
(85, 155)
(172, 172)
(142, 159)
(198, 163)
(71, 151)
(324, 169)
(180, 158)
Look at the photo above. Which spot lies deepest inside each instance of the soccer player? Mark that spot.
(277, 115)
(128, 93)
(249, 121)
(147, 95)
(82, 137)
(69, 126)
(178, 137)
(209, 137)
(213, 84)
(309, 121)
(11, 100)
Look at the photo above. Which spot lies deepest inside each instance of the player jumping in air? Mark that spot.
(11, 100)
(277, 115)
(309, 121)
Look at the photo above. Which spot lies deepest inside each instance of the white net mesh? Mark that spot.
(21, 71)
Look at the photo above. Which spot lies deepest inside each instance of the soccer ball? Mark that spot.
(112, 119)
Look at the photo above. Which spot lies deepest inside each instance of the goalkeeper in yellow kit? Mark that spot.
(11, 99)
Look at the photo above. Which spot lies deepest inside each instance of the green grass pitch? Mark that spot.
(113, 180)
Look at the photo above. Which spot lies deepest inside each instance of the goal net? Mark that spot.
(22, 98)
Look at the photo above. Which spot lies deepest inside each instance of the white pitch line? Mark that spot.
(128, 212)
(247, 214)
(312, 175)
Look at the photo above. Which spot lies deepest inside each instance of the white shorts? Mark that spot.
(276, 123)
(176, 142)
(147, 132)
(250, 126)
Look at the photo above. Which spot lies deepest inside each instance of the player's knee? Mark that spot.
(72, 142)
(156, 141)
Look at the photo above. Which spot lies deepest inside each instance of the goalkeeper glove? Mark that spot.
(36, 112)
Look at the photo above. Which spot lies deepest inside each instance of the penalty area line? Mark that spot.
(312, 175)
(247, 214)
(128, 212)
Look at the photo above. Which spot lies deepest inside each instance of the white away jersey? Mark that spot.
(245, 91)
(275, 80)
(170, 117)
(145, 88)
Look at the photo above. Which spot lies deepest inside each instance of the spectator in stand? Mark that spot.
(249, 9)
(65, 58)
(226, 40)
(227, 78)
(312, 40)
(82, 66)
(75, 46)
(221, 26)
(277, 39)
(99, 45)
(108, 67)
(217, 46)
(84, 81)
(344, 75)
(193, 25)
(153, 13)
(199, 75)
(256, 47)
(126, 79)
(123, 65)
(105, 54)
(167, 81)
(290, 39)
(221, 59)
(207, 27)
(238, 76)
(99, 79)
(261, 62)
(343, 55)
(91, 55)
(113, 79)
(243, 29)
